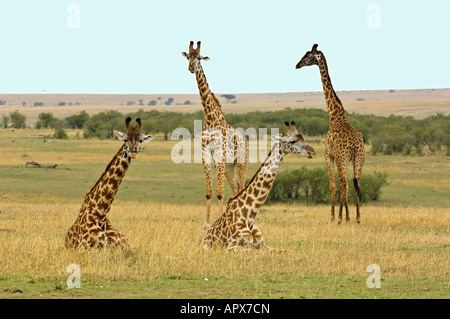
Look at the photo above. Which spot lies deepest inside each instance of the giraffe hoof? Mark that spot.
(206, 226)
(358, 221)
(339, 222)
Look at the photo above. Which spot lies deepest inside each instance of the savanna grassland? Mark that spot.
(160, 206)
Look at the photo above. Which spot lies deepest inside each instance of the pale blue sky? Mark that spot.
(134, 46)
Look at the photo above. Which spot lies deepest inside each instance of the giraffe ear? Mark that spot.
(206, 58)
(184, 54)
(147, 138)
(119, 135)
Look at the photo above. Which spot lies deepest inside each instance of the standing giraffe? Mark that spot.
(92, 229)
(343, 142)
(220, 141)
(236, 228)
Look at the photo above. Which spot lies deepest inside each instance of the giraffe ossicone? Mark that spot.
(92, 228)
(236, 228)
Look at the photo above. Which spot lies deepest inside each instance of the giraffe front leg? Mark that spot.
(207, 168)
(220, 186)
(258, 240)
(115, 238)
(330, 164)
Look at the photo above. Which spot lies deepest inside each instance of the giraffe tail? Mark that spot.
(358, 190)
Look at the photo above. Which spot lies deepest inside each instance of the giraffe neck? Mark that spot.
(256, 191)
(211, 106)
(334, 105)
(104, 191)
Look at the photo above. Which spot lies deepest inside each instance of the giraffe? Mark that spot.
(221, 143)
(236, 228)
(92, 228)
(343, 142)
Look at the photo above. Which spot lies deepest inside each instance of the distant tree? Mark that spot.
(45, 120)
(229, 97)
(152, 102)
(61, 103)
(5, 120)
(2, 102)
(141, 102)
(187, 102)
(169, 101)
(24, 103)
(130, 103)
(159, 99)
(38, 103)
(18, 119)
(77, 120)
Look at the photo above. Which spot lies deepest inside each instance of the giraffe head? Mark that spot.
(194, 56)
(293, 142)
(310, 58)
(133, 137)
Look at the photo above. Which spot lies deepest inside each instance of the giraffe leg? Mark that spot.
(116, 238)
(358, 163)
(343, 200)
(258, 241)
(242, 174)
(207, 168)
(330, 164)
(220, 187)
(231, 177)
(242, 164)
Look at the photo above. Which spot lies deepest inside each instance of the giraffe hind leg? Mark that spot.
(357, 168)
(231, 178)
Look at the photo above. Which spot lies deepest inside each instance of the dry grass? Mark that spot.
(165, 241)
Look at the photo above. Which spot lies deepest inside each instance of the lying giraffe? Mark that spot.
(343, 142)
(92, 229)
(236, 228)
(221, 142)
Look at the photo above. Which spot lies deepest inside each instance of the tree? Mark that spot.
(141, 102)
(5, 120)
(187, 102)
(77, 120)
(229, 97)
(46, 120)
(152, 102)
(2, 102)
(169, 101)
(18, 119)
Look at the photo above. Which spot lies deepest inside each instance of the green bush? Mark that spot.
(18, 120)
(312, 185)
(60, 133)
